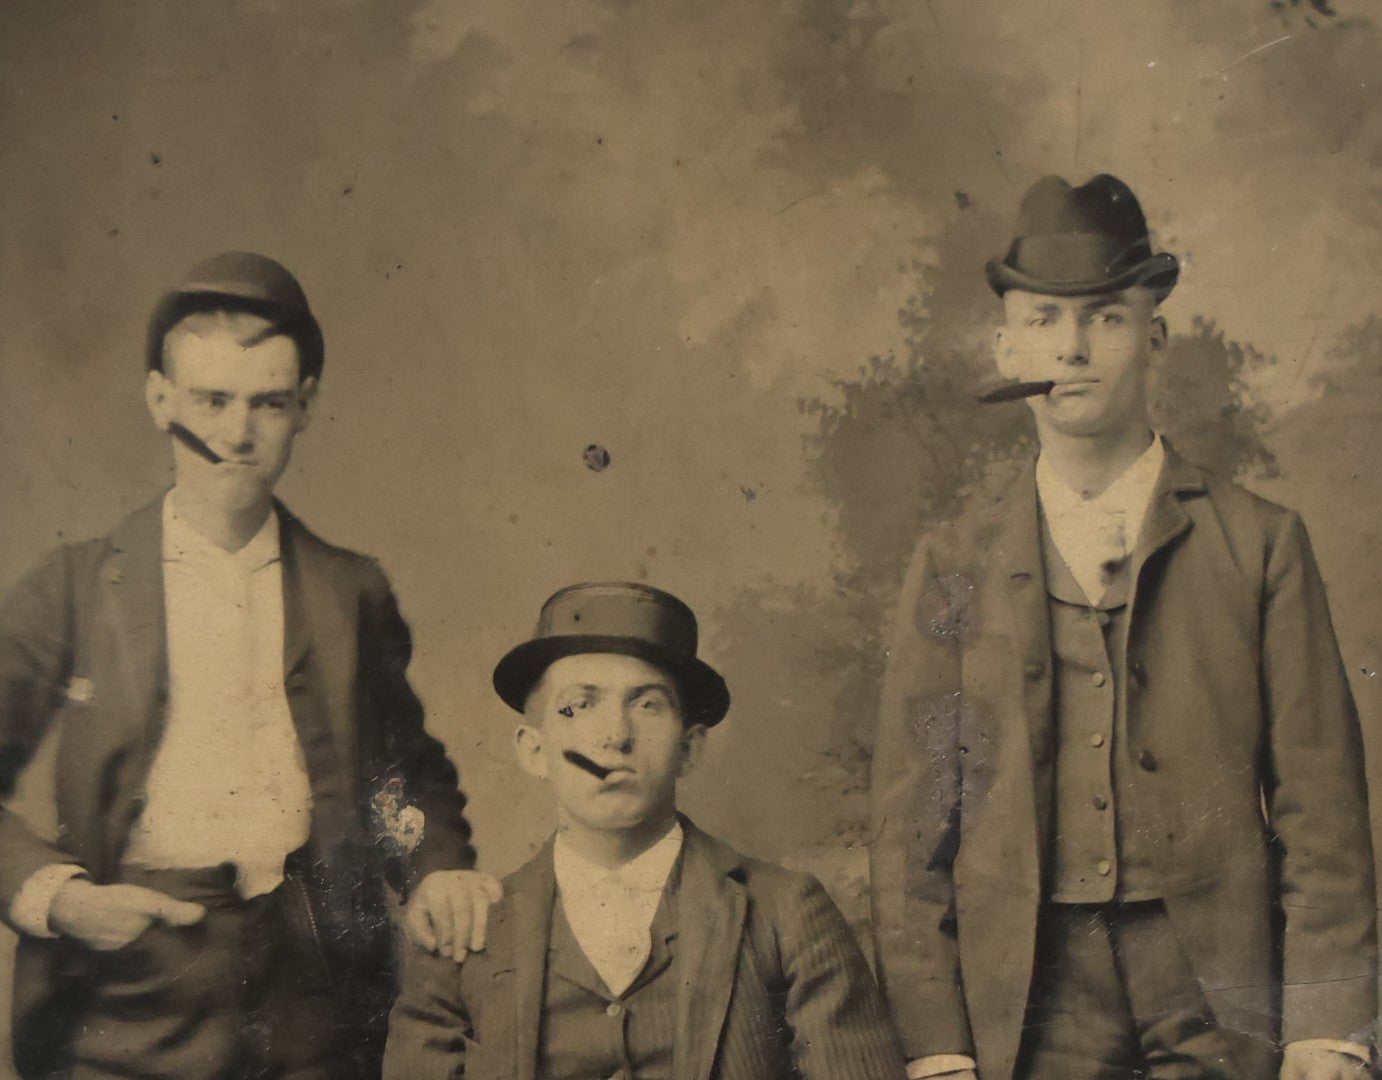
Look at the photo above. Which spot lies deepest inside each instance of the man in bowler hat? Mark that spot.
(633, 944)
(1122, 821)
(241, 762)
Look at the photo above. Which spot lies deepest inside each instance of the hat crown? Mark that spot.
(1104, 205)
(621, 610)
(248, 275)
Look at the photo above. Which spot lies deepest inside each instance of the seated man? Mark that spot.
(633, 945)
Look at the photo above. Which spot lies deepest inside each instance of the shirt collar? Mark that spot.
(1128, 496)
(644, 873)
(183, 543)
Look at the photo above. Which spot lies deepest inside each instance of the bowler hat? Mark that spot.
(1074, 241)
(617, 617)
(241, 281)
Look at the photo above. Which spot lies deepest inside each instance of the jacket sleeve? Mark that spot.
(36, 650)
(840, 1026)
(915, 800)
(429, 1028)
(409, 762)
(1317, 804)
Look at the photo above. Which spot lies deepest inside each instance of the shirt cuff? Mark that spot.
(29, 908)
(1338, 1046)
(938, 1065)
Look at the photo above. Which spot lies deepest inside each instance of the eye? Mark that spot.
(1109, 318)
(1038, 320)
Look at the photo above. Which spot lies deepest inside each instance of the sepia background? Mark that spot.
(738, 244)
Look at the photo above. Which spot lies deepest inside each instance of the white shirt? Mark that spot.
(610, 912)
(229, 782)
(1092, 532)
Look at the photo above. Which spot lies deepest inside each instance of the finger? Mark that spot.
(418, 927)
(479, 918)
(444, 920)
(493, 888)
(176, 912)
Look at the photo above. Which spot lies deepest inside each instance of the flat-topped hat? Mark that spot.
(1076, 241)
(241, 281)
(617, 617)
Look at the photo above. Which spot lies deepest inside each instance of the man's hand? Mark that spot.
(1317, 1063)
(449, 912)
(108, 917)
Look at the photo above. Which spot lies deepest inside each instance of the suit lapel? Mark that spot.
(1166, 519)
(711, 907)
(132, 585)
(533, 889)
(1023, 583)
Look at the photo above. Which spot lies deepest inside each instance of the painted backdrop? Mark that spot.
(736, 243)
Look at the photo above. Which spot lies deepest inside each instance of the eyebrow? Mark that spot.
(1100, 302)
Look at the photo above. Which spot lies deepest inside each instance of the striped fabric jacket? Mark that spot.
(770, 983)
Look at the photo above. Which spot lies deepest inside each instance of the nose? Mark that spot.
(616, 730)
(237, 427)
(1073, 346)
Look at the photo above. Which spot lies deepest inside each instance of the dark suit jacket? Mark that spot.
(1236, 689)
(82, 644)
(770, 983)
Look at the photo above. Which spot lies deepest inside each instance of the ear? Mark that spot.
(1003, 354)
(1160, 335)
(527, 744)
(307, 394)
(692, 739)
(158, 396)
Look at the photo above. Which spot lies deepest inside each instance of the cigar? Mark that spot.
(583, 762)
(193, 443)
(1015, 391)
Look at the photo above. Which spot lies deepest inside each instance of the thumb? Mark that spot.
(174, 912)
(493, 889)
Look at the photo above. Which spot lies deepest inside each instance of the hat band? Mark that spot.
(1075, 257)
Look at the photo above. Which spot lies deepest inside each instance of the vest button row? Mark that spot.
(1098, 678)
(1104, 867)
(1100, 803)
(613, 1009)
(1147, 760)
(1097, 739)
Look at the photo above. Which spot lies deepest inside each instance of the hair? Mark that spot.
(250, 323)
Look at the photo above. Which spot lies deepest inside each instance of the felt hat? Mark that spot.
(241, 281)
(1077, 241)
(617, 617)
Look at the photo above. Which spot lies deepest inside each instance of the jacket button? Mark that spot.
(1104, 867)
(1147, 760)
(1096, 740)
(1033, 669)
(1101, 617)
(613, 1009)
(1100, 803)
(1098, 678)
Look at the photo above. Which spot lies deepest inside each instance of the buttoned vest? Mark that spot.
(1099, 849)
(588, 1031)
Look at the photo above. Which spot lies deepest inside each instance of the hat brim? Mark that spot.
(1159, 273)
(705, 697)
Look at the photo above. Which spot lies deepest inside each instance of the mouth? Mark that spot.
(1073, 387)
(600, 772)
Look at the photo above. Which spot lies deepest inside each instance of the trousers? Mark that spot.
(1114, 997)
(237, 996)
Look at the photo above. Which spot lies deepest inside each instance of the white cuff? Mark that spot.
(29, 909)
(1338, 1046)
(938, 1065)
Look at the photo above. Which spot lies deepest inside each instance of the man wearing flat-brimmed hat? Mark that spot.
(1122, 821)
(241, 762)
(634, 945)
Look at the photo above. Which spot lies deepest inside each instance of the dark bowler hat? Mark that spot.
(1078, 241)
(241, 281)
(617, 617)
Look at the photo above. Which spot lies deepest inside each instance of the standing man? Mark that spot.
(241, 764)
(1122, 823)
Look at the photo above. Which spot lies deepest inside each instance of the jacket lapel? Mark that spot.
(1166, 519)
(711, 906)
(533, 889)
(132, 587)
(1022, 582)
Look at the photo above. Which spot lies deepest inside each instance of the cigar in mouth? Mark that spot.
(193, 443)
(583, 762)
(1015, 391)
